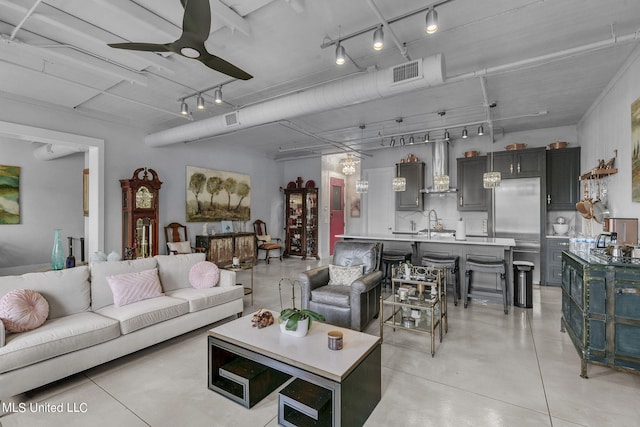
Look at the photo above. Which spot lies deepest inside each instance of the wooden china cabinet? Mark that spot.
(140, 214)
(301, 219)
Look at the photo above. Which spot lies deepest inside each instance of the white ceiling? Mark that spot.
(543, 62)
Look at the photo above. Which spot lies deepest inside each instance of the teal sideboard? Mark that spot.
(601, 309)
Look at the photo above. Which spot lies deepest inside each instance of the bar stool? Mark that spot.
(451, 264)
(486, 266)
(389, 259)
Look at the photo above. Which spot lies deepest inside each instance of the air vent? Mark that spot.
(231, 119)
(407, 72)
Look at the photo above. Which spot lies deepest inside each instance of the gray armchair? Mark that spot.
(351, 306)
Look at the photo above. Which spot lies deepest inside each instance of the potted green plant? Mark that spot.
(296, 321)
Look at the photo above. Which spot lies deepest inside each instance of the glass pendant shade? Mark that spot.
(362, 186)
(491, 179)
(399, 183)
(348, 165)
(441, 182)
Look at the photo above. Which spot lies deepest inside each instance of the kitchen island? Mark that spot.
(488, 248)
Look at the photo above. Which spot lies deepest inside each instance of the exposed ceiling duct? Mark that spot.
(407, 77)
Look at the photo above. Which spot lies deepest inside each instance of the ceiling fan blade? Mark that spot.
(197, 19)
(147, 47)
(224, 67)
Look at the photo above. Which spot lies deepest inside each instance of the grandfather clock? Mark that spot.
(140, 214)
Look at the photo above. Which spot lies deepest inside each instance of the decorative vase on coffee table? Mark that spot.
(301, 330)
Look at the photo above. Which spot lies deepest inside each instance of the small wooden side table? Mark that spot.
(246, 265)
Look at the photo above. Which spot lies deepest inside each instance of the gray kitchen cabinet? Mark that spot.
(472, 196)
(563, 187)
(412, 199)
(524, 163)
(553, 269)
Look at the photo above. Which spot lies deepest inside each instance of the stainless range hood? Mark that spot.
(440, 165)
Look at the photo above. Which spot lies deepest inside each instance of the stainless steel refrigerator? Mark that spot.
(516, 214)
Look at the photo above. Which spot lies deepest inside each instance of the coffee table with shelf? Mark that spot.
(351, 376)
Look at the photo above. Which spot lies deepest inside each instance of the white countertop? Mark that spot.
(557, 236)
(484, 241)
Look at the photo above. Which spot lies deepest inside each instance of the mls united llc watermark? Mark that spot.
(45, 407)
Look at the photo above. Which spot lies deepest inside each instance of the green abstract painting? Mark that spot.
(9, 194)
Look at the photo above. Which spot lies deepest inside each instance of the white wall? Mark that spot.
(50, 198)
(607, 127)
(125, 151)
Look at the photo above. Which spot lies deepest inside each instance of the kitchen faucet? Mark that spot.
(429, 223)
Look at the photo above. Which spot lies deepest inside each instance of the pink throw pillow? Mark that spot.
(133, 287)
(23, 310)
(204, 274)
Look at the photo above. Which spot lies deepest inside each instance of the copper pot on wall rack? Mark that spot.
(585, 206)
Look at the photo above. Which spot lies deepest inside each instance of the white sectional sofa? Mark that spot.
(84, 328)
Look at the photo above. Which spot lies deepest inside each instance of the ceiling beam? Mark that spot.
(230, 17)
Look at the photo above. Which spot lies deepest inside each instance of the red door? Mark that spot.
(336, 221)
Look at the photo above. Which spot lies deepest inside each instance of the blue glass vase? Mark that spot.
(57, 253)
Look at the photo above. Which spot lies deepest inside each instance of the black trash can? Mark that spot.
(523, 284)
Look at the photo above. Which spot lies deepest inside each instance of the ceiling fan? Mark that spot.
(196, 25)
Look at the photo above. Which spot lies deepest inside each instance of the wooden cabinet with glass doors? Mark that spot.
(301, 219)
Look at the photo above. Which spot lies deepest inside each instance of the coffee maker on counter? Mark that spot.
(626, 229)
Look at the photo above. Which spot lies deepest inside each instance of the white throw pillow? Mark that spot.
(339, 275)
(180, 247)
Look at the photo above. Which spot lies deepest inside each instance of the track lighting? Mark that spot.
(426, 138)
(432, 21)
(465, 134)
(184, 108)
(340, 54)
(480, 130)
(411, 140)
(447, 137)
(378, 38)
(200, 102)
(218, 95)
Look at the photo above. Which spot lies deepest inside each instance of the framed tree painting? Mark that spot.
(9, 194)
(214, 195)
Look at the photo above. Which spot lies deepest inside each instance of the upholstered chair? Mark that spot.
(355, 303)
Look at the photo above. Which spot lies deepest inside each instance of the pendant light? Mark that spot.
(447, 136)
(362, 185)
(349, 165)
(399, 183)
(480, 130)
(493, 178)
(340, 54)
(184, 108)
(432, 21)
(218, 95)
(465, 134)
(378, 38)
(200, 102)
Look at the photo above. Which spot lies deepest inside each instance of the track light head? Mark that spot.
(218, 95)
(340, 54)
(378, 38)
(426, 138)
(447, 137)
(465, 134)
(432, 21)
(200, 102)
(480, 130)
(184, 108)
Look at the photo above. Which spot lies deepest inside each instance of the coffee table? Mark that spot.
(351, 375)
